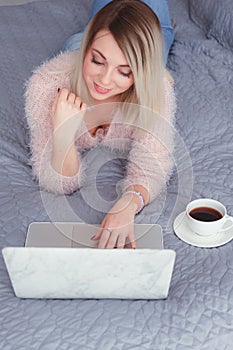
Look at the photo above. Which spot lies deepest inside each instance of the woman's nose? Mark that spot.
(106, 77)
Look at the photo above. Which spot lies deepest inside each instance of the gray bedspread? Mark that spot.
(198, 313)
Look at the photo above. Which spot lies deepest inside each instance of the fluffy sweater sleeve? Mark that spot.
(150, 161)
(41, 90)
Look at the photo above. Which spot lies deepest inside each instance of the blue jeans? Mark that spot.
(160, 7)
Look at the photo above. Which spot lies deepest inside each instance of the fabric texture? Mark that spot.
(150, 158)
(203, 12)
(221, 28)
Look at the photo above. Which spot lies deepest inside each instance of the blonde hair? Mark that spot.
(137, 31)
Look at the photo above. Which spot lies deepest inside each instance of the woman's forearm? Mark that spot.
(64, 157)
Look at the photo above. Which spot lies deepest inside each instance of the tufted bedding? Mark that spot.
(198, 313)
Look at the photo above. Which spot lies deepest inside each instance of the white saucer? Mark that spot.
(183, 231)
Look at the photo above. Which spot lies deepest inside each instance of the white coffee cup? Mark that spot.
(199, 211)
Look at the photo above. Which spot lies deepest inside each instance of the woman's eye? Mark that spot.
(94, 60)
(127, 75)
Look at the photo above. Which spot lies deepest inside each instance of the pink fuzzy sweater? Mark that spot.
(150, 160)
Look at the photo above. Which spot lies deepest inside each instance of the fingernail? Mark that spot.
(58, 90)
(93, 237)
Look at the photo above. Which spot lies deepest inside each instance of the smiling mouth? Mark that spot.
(100, 89)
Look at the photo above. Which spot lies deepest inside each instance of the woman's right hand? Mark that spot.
(66, 106)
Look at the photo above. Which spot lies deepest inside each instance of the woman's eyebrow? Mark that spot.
(100, 53)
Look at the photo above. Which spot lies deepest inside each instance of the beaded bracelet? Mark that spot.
(140, 196)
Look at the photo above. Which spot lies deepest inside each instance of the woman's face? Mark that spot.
(105, 69)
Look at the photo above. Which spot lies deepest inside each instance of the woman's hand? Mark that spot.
(66, 106)
(118, 225)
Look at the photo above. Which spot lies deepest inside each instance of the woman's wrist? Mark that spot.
(63, 137)
(136, 198)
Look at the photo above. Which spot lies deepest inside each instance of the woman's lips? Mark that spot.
(100, 89)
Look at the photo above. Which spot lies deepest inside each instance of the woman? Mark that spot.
(119, 66)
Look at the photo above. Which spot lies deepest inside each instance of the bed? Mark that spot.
(198, 313)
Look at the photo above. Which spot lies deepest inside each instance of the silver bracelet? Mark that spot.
(140, 196)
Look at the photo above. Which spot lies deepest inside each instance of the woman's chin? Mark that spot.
(98, 98)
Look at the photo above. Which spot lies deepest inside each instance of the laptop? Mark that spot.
(60, 261)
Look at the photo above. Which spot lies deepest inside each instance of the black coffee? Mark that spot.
(205, 214)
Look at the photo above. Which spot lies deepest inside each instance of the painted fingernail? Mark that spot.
(58, 90)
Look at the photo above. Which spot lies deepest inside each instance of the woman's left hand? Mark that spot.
(118, 225)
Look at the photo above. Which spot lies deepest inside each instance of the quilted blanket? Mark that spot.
(198, 313)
